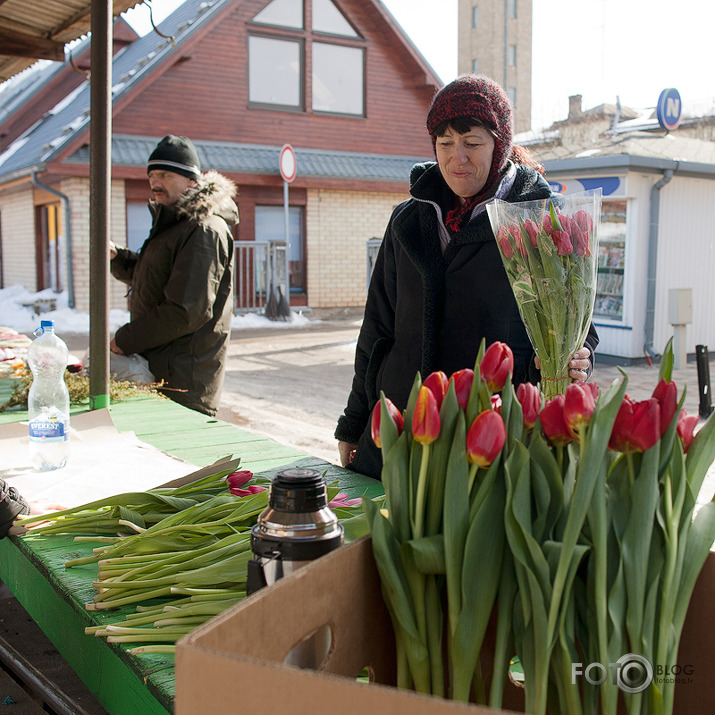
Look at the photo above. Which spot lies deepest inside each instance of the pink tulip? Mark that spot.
(686, 429)
(584, 221)
(496, 365)
(532, 231)
(582, 246)
(341, 499)
(529, 397)
(504, 243)
(437, 382)
(562, 241)
(518, 237)
(376, 418)
(485, 438)
(546, 224)
(462, 380)
(425, 421)
(496, 402)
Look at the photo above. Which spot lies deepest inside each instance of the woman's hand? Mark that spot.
(347, 452)
(578, 365)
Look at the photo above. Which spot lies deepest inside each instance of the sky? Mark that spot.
(601, 49)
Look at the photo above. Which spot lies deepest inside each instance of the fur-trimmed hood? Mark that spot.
(212, 194)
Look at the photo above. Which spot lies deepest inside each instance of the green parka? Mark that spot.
(181, 296)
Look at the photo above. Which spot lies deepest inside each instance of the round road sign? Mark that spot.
(287, 163)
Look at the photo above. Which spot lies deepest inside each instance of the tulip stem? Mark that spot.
(421, 490)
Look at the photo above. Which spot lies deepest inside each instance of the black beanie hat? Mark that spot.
(177, 154)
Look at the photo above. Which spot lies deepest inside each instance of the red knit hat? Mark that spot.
(478, 97)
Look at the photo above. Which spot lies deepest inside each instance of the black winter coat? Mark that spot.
(429, 311)
(181, 299)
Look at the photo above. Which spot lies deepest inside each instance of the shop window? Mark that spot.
(475, 16)
(512, 56)
(280, 65)
(512, 9)
(611, 261)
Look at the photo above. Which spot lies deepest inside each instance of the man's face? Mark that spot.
(167, 187)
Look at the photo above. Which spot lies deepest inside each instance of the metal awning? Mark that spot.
(32, 30)
(38, 29)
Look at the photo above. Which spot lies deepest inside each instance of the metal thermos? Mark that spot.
(296, 527)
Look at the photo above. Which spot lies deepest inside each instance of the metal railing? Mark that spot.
(259, 270)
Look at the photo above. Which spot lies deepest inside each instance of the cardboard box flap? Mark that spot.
(269, 624)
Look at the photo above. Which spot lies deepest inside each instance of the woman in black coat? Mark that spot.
(439, 287)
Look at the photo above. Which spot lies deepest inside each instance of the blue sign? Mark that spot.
(609, 185)
(670, 108)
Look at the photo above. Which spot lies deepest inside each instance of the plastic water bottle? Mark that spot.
(48, 401)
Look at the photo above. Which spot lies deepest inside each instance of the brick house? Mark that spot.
(336, 79)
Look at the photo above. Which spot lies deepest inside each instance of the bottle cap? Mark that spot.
(47, 324)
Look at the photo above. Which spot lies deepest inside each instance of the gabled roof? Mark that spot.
(59, 131)
(39, 29)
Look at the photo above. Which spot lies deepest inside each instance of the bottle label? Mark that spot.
(49, 428)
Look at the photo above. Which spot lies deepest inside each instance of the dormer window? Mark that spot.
(282, 54)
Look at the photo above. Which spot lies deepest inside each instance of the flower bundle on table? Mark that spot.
(550, 257)
(568, 521)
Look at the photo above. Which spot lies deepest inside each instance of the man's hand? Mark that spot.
(113, 347)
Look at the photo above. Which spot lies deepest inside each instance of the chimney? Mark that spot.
(575, 106)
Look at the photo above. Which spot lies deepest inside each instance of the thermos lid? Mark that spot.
(298, 490)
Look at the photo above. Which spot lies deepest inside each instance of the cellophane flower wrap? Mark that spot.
(549, 249)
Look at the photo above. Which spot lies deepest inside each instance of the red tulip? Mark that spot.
(637, 426)
(562, 241)
(504, 243)
(237, 479)
(438, 383)
(546, 225)
(579, 404)
(425, 421)
(497, 363)
(529, 397)
(496, 403)
(485, 438)
(252, 489)
(686, 429)
(462, 380)
(377, 416)
(581, 242)
(667, 395)
(553, 422)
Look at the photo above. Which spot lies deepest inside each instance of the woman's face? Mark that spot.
(465, 160)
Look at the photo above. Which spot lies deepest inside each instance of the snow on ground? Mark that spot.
(16, 312)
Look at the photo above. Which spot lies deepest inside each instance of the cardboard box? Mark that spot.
(235, 662)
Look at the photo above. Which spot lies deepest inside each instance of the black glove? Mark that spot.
(11, 505)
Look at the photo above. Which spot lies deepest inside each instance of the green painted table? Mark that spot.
(33, 566)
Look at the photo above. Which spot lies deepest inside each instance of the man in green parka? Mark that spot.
(181, 296)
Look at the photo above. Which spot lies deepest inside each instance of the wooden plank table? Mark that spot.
(33, 566)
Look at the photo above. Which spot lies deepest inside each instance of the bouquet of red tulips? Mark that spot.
(568, 521)
(550, 255)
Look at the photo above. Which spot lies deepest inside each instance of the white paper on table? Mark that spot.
(102, 462)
